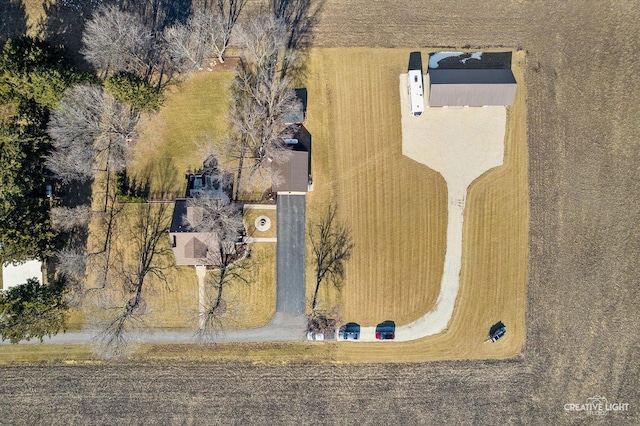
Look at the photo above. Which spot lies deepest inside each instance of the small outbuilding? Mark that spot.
(297, 114)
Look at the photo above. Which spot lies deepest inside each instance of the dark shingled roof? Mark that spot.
(471, 76)
(195, 249)
(179, 211)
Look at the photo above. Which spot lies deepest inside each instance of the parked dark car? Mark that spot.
(497, 331)
(386, 330)
(350, 331)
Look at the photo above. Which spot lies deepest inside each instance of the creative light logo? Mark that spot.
(597, 405)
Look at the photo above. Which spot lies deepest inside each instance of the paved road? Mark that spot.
(281, 328)
(290, 254)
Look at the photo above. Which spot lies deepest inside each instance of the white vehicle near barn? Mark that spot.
(415, 84)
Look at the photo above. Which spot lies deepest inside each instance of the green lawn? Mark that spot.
(168, 143)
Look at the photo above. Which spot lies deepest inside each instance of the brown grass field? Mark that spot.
(582, 299)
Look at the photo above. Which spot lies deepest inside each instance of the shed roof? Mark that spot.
(297, 115)
(471, 76)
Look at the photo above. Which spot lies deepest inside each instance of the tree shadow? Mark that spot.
(156, 15)
(160, 180)
(64, 21)
(13, 23)
(300, 16)
(72, 194)
(332, 245)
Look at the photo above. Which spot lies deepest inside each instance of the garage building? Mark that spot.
(471, 87)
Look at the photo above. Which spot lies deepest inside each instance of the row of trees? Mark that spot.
(124, 38)
(33, 78)
(262, 98)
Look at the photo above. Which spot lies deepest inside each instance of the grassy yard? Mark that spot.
(397, 211)
(250, 216)
(393, 205)
(11, 354)
(252, 304)
(169, 140)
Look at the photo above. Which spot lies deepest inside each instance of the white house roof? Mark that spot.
(13, 275)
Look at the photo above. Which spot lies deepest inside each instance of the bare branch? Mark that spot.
(72, 263)
(91, 130)
(216, 215)
(66, 219)
(332, 245)
(263, 98)
(232, 267)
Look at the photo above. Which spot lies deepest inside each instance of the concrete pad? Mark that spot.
(459, 142)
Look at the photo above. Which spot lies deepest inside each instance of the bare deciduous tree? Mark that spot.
(217, 216)
(91, 130)
(229, 11)
(332, 244)
(115, 40)
(206, 34)
(149, 259)
(72, 263)
(66, 219)
(264, 47)
(116, 339)
(186, 44)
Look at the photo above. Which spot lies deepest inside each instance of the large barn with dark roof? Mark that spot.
(472, 81)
